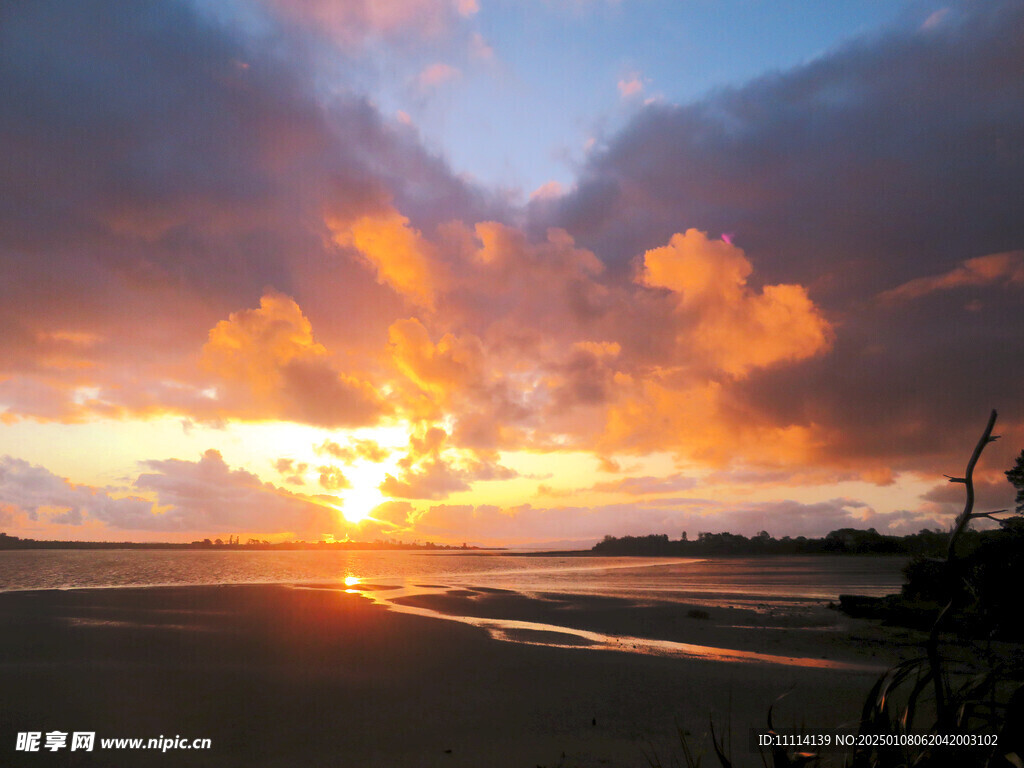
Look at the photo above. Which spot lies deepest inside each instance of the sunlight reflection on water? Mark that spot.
(776, 586)
(745, 582)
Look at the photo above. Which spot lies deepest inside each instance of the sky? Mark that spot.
(506, 272)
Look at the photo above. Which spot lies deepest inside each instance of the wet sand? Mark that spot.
(802, 635)
(280, 676)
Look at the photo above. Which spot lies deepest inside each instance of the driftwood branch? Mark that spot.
(991, 515)
(962, 520)
(968, 480)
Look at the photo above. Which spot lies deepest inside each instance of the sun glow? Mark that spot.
(359, 500)
(354, 462)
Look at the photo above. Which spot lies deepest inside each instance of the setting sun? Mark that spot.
(364, 495)
(409, 307)
(364, 363)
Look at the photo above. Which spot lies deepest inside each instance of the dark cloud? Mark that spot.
(886, 155)
(991, 494)
(885, 176)
(191, 224)
(162, 169)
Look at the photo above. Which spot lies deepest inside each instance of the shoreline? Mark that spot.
(281, 675)
(807, 636)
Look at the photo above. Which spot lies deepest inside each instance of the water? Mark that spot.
(771, 586)
(739, 581)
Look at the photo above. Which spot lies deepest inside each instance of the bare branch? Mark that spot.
(990, 515)
(932, 646)
(968, 480)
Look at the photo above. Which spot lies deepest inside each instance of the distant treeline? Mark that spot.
(14, 542)
(845, 541)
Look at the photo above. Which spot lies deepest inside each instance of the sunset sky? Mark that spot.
(521, 272)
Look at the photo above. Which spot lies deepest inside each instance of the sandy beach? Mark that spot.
(283, 676)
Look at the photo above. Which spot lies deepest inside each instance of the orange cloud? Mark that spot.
(332, 478)
(402, 258)
(357, 448)
(700, 422)
(453, 363)
(538, 345)
(396, 513)
(268, 365)
(501, 245)
(433, 469)
(734, 328)
(1006, 268)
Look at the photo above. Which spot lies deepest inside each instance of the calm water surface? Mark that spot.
(734, 581)
(789, 586)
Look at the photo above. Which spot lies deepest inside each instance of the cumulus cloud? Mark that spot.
(208, 495)
(398, 253)
(173, 232)
(845, 179)
(293, 471)
(193, 497)
(453, 363)
(268, 364)
(429, 470)
(191, 171)
(332, 478)
(356, 448)
(736, 328)
(40, 494)
(431, 479)
(992, 493)
(567, 353)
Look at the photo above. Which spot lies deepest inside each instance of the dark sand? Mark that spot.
(813, 632)
(280, 676)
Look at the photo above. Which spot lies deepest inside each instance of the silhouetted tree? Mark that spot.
(1016, 478)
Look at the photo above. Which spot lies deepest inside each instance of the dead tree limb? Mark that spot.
(968, 480)
(963, 519)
